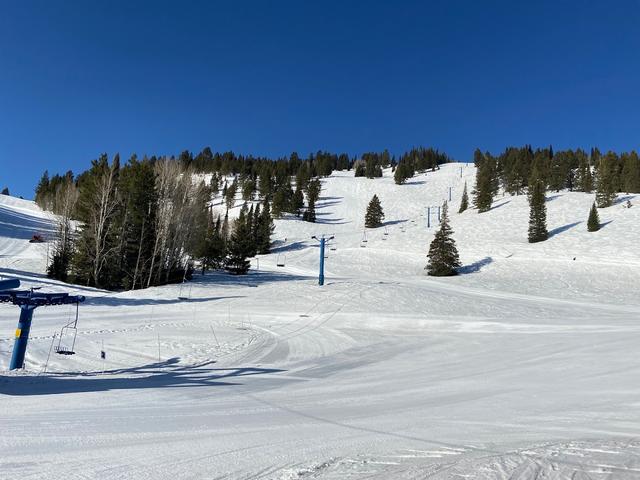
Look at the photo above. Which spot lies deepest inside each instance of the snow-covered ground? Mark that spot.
(525, 366)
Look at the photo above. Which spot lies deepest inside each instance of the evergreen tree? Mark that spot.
(302, 177)
(372, 168)
(42, 189)
(593, 223)
(239, 246)
(224, 229)
(297, 202)
(137, 224)
(279, 205)
(374, 215)
(5, 191)
(485, 184)
(230, 194)
(443, 254)
(606, 180)
(313, 190)
(310, 214)
(216, 246)
(265, 182)
(248, 189)
(584, 180)
(538, 209)
(264, 229)
(464, 203)
(631, 173)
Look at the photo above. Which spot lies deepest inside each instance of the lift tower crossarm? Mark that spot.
(28, 301)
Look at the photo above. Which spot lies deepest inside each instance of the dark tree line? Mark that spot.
(575, 170)
(418, 160)
(145, 223)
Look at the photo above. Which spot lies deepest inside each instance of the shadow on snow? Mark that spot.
(563, 228)
(167, 374)
(475, 266)
(14, 224)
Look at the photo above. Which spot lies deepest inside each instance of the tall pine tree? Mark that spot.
(593, 223)
(374, 215)
(606, 184)
(538, 209)
(443, 254)
(464, 203)
(239, 246)
(485, 183)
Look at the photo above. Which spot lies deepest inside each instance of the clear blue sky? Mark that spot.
(78, 78)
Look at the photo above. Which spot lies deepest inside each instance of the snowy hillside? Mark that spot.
(524, 366)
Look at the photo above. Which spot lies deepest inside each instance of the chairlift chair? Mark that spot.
(364, 237)
(386, 231)
(280, 260)
(181, 296)
(184, 279)
(70, 331)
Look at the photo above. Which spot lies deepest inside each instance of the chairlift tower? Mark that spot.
(429, 214)
(323, 240)
(28, 301)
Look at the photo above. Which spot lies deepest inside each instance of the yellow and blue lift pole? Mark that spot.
(28, 301)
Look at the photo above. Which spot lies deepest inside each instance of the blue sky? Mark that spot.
(78, 78)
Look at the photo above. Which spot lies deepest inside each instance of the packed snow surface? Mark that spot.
(524, 366)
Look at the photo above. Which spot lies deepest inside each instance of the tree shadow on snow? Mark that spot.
(394, 222)
(115, 301)
(167, 374)
(15, 224)
(563, 228)
(291, 247)
(323, 204)
(623, 199)
(253, 278)
(493, 207)
(475, 266)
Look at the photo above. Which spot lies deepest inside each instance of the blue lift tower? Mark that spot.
(323, 240)
(28, 301)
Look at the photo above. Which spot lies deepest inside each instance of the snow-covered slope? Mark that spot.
(523, 367)
(19, 221)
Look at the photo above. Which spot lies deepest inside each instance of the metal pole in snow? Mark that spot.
(438, 213)
(21, 337)
(450, 193)
(321, 275)
(428, 217)
(46, 365)
(214, 335)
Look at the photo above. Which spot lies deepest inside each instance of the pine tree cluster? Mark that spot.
(145, 223)
(575, 170)
(418, 160)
